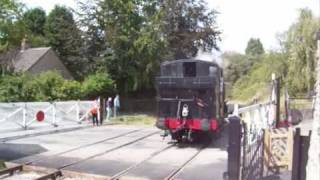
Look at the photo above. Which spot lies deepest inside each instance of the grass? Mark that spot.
(2, 164)
(135, 119)
(301, 104)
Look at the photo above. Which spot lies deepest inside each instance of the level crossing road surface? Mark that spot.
(120, 152)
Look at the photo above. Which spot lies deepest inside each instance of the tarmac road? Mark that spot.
(134, 152)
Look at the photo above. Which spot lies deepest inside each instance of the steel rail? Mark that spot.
(52, 176)
(177, 171)
(11, 170)
(108, 151)
(58, 173)
(121, 173)
(90, 144)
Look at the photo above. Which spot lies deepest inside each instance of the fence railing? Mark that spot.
(256, 117)
(23, 114)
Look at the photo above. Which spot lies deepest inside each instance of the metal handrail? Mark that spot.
(253, 107)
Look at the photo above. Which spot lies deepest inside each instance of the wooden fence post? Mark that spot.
(300, 155)
(296, 158)
(234, 148)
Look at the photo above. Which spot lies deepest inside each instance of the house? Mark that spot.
(37, 60)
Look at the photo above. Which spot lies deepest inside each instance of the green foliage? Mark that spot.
(254, 47)
(146, 32)
(18, 87)
(126, 38)
(12, 29)
(51, 86)
(38, 41)
(135, 39)
(189, 26)
(135, 120)
(35, 20)
(64, 37)
(300, 46)
(71, 90)
(2, 164)
(237, 65)
(256, 82)
(94, 47)
(294, 64)
(97, 84)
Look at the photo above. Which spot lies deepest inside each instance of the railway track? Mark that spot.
(171, 173)
(109, 150)
(177, 171)
(57, 172)
(121, 173)
(91, 144)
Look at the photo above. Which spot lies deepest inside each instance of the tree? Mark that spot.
(256, 82)
(97, 84)
(237, 66)
(142, 33)
(12, 29)
(254, 47)
(95, 46)
(300, 46)
(133, 31)
(189, 26)
(35, 20)
(64, 36)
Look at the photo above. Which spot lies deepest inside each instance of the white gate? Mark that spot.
(23, 114)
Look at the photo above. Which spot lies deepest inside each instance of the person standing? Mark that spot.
(94, 115)
(108, 108)
(116, 105)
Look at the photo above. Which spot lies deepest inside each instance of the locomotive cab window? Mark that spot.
(203, 69)
(213, 71)
(170, 70)
(189, 69)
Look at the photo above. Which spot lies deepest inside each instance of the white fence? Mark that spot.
(23, 114)
(257, 117)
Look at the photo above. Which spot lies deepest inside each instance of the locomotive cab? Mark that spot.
(190, 98)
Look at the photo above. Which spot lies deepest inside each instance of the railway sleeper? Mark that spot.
(44, 173)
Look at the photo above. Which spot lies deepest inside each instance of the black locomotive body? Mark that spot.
(190, 97)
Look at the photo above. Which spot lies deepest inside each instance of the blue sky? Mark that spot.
(238, 20)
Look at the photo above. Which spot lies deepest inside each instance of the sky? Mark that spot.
(239, 20)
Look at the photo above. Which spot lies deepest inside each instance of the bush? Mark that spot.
(51, 86)
(17, 88)
(97, 84)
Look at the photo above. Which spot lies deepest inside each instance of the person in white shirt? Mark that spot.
(108, 108)
(116, 105)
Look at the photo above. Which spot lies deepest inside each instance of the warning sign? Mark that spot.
(40, 116)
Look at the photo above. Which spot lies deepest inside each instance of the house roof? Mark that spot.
(27, 58)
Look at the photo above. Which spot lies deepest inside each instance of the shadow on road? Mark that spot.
(9, 152)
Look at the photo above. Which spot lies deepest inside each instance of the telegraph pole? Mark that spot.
(313, 165)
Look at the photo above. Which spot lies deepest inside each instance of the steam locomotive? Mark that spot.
(190, 99)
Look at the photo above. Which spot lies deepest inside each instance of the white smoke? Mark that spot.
(213, 56)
